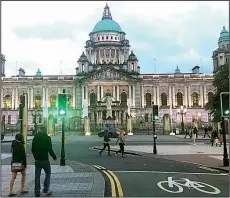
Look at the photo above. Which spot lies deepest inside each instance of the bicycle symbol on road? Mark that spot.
(199, 186)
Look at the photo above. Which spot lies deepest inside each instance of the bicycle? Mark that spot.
(187, 183)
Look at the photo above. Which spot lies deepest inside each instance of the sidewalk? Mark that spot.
(73, 180)
(201, 154)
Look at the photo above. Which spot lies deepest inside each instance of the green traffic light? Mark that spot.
(62, 112)
(226, 112)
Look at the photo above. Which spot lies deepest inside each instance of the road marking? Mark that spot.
(97, 167)
(119, 188)
(5, 155)
(112, 183)
(210, 169)
(184, 182)
(161, 172)
(101, 167)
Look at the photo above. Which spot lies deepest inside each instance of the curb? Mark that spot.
(7, 141)
(219, 168)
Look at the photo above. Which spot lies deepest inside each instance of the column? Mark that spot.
(170, 96)
(102, 92)
(119, 56)
(59, 90)
(134, 96)
(99, 53)
(105, 55)
(13, 98)
(205, 95)
(28, 93)
(110, 55)
(185, 96)
(189, 96)
(32, 98)
(82, 95)
(114, 94)
(154, 95)
(201, 96)
(142, 96)
(2, 104)
(86, 94)
(130, 96)
(115, 55)
(95, 56)
(118, 93)
(174, 99)
(16, 98)
(98, 93)
(90, 55)
(74, 97)
(47, 96)
(158, 96)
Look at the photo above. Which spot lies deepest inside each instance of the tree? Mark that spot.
(221, 83)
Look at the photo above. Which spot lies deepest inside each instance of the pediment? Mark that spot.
(108, 74)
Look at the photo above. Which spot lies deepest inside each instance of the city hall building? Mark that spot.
(108, 69)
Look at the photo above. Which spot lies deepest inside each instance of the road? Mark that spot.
(139, 176)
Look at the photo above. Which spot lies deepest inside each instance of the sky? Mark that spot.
(42, 34)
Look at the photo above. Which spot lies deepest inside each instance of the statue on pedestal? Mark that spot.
(128, 104)
(109, 107)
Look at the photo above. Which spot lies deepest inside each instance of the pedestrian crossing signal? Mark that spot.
(155, 113)
(224, 98)
(62, 104)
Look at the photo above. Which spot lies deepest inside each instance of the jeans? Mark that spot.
(39, 165)
(106, 145)
(122, 148)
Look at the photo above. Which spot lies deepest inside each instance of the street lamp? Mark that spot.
(35, 115)
(182, 112)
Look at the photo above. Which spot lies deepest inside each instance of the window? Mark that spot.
(98, 38)
(148, 99)
(83, 67)
(69, 101)
(102, 37)
(123, 99)
(146, 117)
(92, 99)
(115, 38)
(195, 99)
(107, 37)
(179, 97)
(226, 60)
(227, 46)
(8, 102)
(132, 67)
(108, 94)
(53, 100)
(210, 96)
(9, 119)
(164, 99)
(111, 37)
(118, 38)
(38, 101)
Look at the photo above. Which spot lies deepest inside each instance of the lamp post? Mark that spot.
(35, 115)
(182, 112)
(225, 154)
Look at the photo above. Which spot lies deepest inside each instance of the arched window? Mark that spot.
(123, 99)
(37, 101)
(195, 99)
(92, 99)
(7, 101)
(83, 67)
(132, 67)
(179, 97)
(69, 101)
(210, 96)
(164, 99)
(148, 99)
(108, 94)
(53, 100)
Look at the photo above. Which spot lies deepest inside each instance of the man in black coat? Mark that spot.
(41, 147)
(106, 142)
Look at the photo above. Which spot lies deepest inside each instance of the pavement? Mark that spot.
(73, 180)
(144, 175)
(10, 138)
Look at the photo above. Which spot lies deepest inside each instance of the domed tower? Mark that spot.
(83, 64)
(221, 54)
(107, 44)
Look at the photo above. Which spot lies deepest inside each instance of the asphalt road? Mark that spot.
(138, 176)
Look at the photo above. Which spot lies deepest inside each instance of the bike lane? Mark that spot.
(165, 184)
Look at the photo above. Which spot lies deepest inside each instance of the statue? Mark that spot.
(85, 108)
(109, 107)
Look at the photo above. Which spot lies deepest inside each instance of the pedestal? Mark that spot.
(86, 126)
(129, 126)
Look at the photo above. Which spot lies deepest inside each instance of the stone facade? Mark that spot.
(109, 69)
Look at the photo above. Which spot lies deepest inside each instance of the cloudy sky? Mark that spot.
(42, 34)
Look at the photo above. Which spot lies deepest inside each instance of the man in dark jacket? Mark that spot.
(206, 132)
(106, 142)
(41, 147)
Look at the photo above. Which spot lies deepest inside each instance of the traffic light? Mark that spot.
(155, 113)
(62, 104)
(22, 100)
(21, 106)
(224, 98)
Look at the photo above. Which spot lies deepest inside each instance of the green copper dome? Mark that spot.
(224, 35)
(107, 25)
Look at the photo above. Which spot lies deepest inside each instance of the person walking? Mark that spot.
(18, 164)
(214, 137)
(41, 147)
(121, 141)
(206, 132)
(195, 131)
(187, 133)
(106, 143)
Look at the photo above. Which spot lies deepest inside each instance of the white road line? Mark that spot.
(97, 167)
(210, 169)
(161, 172)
